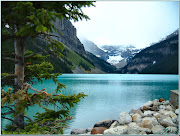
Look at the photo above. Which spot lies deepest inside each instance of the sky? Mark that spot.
(138, 23)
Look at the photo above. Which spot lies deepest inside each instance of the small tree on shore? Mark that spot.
(34, 19)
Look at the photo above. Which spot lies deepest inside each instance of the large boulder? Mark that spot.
(136, 111)
(136, 118)
(149, 104)
(105, 123)
(124, 118)
(146, 108)
(152, 119)
(147, 124)
(158, 129)
(117, 130)
(133, 128)
(169, 108)
(98, 130)
(174, 98)
(155, 103)
(155, 108)
(166, 122)
(158, 115)
(114, 124)
(148, 113)
(78, 131)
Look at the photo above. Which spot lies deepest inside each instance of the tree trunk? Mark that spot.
(19, 71)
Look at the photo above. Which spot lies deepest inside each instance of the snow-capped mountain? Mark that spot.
(117, 55)
(120, 55)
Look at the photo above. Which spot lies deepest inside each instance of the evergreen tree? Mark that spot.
(34, 19)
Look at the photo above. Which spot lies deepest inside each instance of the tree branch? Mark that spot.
(46, 34)
(46, 52)
(7, 107)
(36, 90)
(7, 113)
(8, 58)
(7, 119)
(29, 119)
(9, 75)
(59, 127)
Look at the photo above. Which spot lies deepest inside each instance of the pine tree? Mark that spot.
(34, 19)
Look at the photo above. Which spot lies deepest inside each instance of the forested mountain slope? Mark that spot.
(75, 59)
(160, 58)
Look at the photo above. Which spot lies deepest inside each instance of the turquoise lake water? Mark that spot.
(108, 95)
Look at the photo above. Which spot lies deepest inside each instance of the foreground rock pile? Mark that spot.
(154, 117)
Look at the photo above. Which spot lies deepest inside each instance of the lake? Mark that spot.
(108, 94)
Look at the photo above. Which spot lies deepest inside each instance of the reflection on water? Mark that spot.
(109, 94)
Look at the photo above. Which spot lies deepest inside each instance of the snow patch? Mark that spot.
(98, 56)
(114, 59)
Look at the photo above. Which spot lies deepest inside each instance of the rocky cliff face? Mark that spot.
(66, 33)
(92, 48)
(160, 58)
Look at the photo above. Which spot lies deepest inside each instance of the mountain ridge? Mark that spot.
(159, 58)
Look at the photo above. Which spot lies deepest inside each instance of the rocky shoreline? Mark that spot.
(154, 117)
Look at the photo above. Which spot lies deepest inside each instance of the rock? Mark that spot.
(161, 111)
(177, 121)
(158, 129)
(155, 108)
(161, 100)
(172, 129)
(173, 115)
(117, 130)
(152, 119)
(132, 112)
(136, 118)
(77, 131)
(149, 104)
(167, 113)
(146, 108)
(133, 128)
(142, 133)
(124, 118)
(155, 103)
(166, 102)
(166, 122)
(147, 124)
(88, 129)
(88, 133)
(174, 98)
(162, 107)
(114, 124)
(105, 123)
(157, 115)
(148, 113)
(98, 130)
(177, 111)
(147, 130)
(169, 108)
(140, 113)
